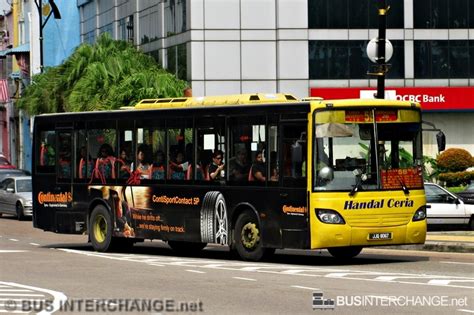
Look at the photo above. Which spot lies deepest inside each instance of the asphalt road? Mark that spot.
(41, 271)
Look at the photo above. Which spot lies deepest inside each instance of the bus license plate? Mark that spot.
(380, 236)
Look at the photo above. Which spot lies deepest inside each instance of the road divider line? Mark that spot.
(245, 279)
(195, 271)
(12, 251)
(13, 239)
(34, 244)
(456, 262)
(306, 288)
(466, 311)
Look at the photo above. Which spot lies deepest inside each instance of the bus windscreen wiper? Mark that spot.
(404, 187)
(360, 177)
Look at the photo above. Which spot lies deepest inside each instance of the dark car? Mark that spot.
(467, 195)
(14, 172)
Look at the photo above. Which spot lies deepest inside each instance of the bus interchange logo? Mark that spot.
(319, 302)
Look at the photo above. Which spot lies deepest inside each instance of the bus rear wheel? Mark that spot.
(345, 252)
(186, 248)
(101, 229)
(247, 236)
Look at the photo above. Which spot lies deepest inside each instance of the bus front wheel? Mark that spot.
(346, 252)
(247, 237)
(100, 229)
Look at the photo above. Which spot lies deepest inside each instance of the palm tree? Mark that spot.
(106, 75)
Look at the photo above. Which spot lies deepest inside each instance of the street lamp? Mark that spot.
(376, 50)
(55, 12)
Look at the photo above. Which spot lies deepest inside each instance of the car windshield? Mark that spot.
(352, 150)
(23, 185)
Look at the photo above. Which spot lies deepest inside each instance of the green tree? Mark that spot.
(103, 76)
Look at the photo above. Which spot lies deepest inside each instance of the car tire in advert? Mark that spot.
(248, 238)
(101, 228)
(214, 223)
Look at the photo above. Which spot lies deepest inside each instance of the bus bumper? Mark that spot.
(327, 236)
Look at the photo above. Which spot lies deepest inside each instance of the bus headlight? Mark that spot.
(420, 214)
(329, 216)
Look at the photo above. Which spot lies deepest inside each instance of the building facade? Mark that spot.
(308, 48)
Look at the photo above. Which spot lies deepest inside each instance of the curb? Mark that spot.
(455, 247)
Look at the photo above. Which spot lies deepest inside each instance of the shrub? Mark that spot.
(457, 178)
(455, 160)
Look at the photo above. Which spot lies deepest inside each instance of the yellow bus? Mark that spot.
(255, 172)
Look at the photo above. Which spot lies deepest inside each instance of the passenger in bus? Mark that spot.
(158, 167)
(85, 164)
(105, 162)
(216, 169)
(258, 168)
(143, 162)
(64, 164)
(178, 167)
(239, 167)
(275, 174)
(124, 165)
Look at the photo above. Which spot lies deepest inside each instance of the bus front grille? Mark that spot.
(378, 220)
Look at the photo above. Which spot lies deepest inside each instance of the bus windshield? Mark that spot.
(367, 150)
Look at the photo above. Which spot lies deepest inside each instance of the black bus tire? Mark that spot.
(345, 252)
(214, 222)
(101, 229)
(248, 238)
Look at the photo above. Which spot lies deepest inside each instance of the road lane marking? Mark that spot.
(12, 251)
(276, 269)
(245, 279)
(466, 311)
(59, 298)
(195, 271)
(446, 281)
(13, 239)
(456, 262)
(15, 290)
(306, 288)
(20, 294)
(34, 244)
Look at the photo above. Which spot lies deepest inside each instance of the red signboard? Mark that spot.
(394, 178)
(430, 98)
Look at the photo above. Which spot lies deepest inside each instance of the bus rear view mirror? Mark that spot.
(441, 139)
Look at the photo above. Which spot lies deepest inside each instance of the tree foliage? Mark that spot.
(103, 76)
(455, 160)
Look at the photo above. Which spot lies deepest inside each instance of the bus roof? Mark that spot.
(238, 99)
(357, 102)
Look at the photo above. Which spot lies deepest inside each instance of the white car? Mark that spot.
(16, 196)
(446, 209)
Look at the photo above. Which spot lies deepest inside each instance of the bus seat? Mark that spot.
(251, 178)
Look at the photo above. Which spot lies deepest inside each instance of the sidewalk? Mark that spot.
(446, 241)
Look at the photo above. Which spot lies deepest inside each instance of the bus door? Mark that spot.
(293, 197)
(61, 198)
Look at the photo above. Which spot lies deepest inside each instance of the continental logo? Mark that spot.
(377, 204)
(294, 210)
(54, 198)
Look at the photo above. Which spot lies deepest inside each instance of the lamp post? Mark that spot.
(380, 51)
(55, 12)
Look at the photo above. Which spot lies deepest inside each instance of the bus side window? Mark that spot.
(294, 155)
(64, 161)
(46, 161)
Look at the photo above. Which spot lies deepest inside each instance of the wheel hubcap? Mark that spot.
(221, 223)
(250, 235)
(100, 228)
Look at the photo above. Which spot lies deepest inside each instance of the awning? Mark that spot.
(3, 53)
(19, 49)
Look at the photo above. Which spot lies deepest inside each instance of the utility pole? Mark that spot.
(381, 50)
(55, 12)
(377, 51)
